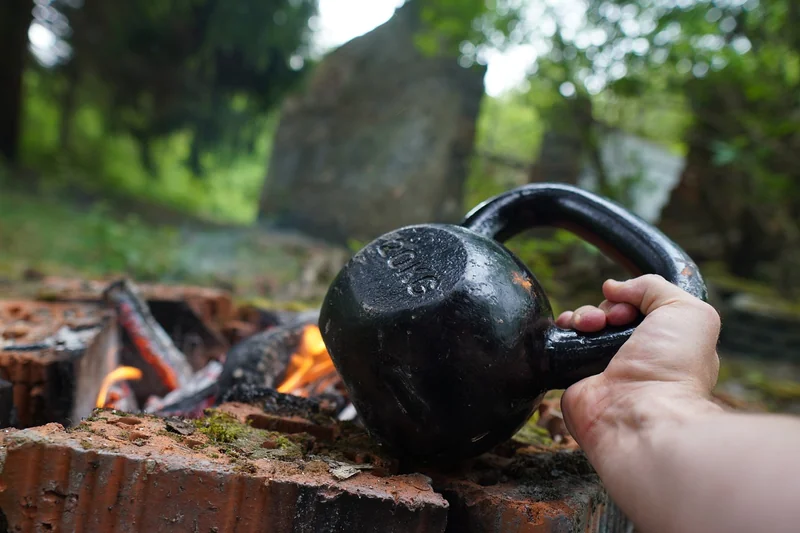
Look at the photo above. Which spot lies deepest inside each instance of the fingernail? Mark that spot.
(577, 317)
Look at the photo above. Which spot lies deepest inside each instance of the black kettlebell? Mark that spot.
(446, 341)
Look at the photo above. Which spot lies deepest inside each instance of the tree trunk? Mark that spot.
(15, 19)
(69, 102)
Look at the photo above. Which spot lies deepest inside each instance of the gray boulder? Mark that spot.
(379, 138)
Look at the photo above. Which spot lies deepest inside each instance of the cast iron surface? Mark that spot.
(446, 340)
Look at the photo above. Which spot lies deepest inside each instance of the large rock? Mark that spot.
(380, 138)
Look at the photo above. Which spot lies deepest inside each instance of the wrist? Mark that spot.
(633, 412)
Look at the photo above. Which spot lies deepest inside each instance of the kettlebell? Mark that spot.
(445, 340)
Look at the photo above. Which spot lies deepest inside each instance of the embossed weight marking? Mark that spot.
(401, 257)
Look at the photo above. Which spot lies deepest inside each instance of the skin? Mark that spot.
(674, 461)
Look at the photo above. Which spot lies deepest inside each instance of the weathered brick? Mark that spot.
(55, 355)
(215, 306)
(529, 489)
(124, 474)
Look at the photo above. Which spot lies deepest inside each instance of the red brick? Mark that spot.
(94, 478)
(529, 489)
(55, 383)
(215, 306)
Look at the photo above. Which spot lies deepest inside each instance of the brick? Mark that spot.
(517, 488)
(96, 478)
(55, 355)
(529, 489)
(200, 312)
(8, 414)
(211, 305)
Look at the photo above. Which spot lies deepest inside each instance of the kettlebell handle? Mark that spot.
(624, 237)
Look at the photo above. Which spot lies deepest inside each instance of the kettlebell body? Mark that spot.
(446, 341)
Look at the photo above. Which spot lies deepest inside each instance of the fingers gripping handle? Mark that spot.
(623, 236)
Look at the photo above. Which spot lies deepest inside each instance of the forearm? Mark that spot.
(689, 467)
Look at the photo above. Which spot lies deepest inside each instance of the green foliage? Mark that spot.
(110, 164)
(711, 80)
(208, 69)
(509, 127)
(732, 63)
(463, 26)
(44, 234)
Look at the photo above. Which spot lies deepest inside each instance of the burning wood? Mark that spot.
(290, 359)
(290, 356)
(311, 370)
(151, 341)
(121, 397)
(122, 373)
(191, 399)
(198, 339)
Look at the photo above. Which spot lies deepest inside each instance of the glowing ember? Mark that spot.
(123, 373)
(311, 370)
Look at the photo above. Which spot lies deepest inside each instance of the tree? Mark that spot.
(209, 67)
(738, 66)
(15, 19)
(720, 77)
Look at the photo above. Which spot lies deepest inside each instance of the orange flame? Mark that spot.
(118, 374)
(310, 368)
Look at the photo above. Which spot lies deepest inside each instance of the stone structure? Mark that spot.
(379, 138)
(650, 171)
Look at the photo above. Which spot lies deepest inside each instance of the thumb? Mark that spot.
(684, 332)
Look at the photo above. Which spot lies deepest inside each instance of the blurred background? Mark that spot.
(255, 145)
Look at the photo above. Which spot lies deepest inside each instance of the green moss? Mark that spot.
(81, 426)
(239, 440)
(221, 428)
(532, 433)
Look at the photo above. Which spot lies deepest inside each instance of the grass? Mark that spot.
(44, 234)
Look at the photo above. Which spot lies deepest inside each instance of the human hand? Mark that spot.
(664, 372)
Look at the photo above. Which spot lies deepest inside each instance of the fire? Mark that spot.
(119, 374)
(311, 370)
